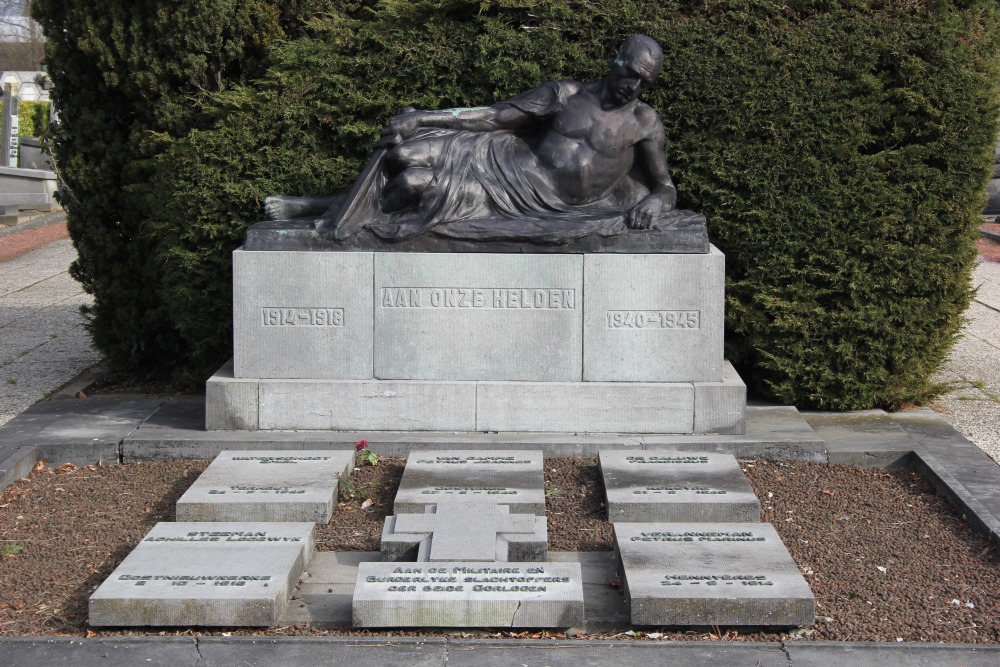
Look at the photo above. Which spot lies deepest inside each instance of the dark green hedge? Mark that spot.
(839, 149)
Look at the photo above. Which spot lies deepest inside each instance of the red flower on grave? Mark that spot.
(361, 445)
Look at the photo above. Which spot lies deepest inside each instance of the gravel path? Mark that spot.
(887, 558)
(42, 341)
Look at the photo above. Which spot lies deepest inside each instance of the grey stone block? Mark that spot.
(710, 574)
(377, 405)
(231, 404)
(205, 574)
(513, 478)
(267, 486)
(455, 316)
(672, 486)
(653, 318)
(302, 315)
(478, 530)
(518, 595)
(605, 407)
(721, 407)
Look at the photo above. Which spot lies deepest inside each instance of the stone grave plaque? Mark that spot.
(477, 530)
(670, 486)
(463, 595)
(513, 478)
(205, 574)
(267, 486)
(710, 574)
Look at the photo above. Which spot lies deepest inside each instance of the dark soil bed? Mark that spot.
(887, 559)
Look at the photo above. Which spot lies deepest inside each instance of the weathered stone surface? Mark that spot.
(513, 478)
(302, 315)
(450, 594)
(205, 574)
(672, 486)
(267, 486)
(710, 574)
(458, 530)
(721, 407)
(231, 404)
(653, 318)
(347, 405)
(478, 317)
(586, 407)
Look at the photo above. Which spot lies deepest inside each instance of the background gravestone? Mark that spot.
(671, 486)
(710, 574)
(267, 486)
(513, 478)
(205, 574)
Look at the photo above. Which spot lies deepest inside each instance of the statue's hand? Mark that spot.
(399, 129)
(646, 213)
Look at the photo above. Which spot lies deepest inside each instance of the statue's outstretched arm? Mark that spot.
(524, 111)
(663, 195)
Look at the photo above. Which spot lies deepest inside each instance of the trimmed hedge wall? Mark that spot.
(839, 149)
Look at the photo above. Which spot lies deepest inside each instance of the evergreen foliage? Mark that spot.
(839, 149)
(32, 118)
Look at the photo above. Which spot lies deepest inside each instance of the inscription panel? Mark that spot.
(664, 485)
(725, 574)
(267, 486)
(653, 318)
(285, 327)
(450, 594)
(478, 317)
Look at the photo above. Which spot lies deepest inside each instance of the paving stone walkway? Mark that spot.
(42, 341)
(973, 406)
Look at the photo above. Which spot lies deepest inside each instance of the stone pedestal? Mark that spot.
(629, 343)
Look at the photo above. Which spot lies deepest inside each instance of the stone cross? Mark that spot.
(461, 531)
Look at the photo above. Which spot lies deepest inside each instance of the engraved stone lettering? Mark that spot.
(302, 317)
(653, 319)
(535, 298)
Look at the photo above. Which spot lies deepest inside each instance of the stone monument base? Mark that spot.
(251, 404)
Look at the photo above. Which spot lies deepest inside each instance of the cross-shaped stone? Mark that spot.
(462, 531)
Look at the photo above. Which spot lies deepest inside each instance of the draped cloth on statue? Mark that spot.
(488, 186)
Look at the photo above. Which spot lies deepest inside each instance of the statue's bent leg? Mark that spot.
(421, 153)
(406, 189)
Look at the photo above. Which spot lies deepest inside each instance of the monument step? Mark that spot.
(251, 404)
(177, 429)
(267, 486)
(205, 574)
(672, 486)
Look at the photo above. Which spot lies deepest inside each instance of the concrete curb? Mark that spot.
(443, 652)
(37, 223)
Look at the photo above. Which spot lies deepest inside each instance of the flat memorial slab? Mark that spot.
(670, 486)
(477, 530)
(468, 595)
(710, 574)
(205, 574)
(513, 478)
(267, 486)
